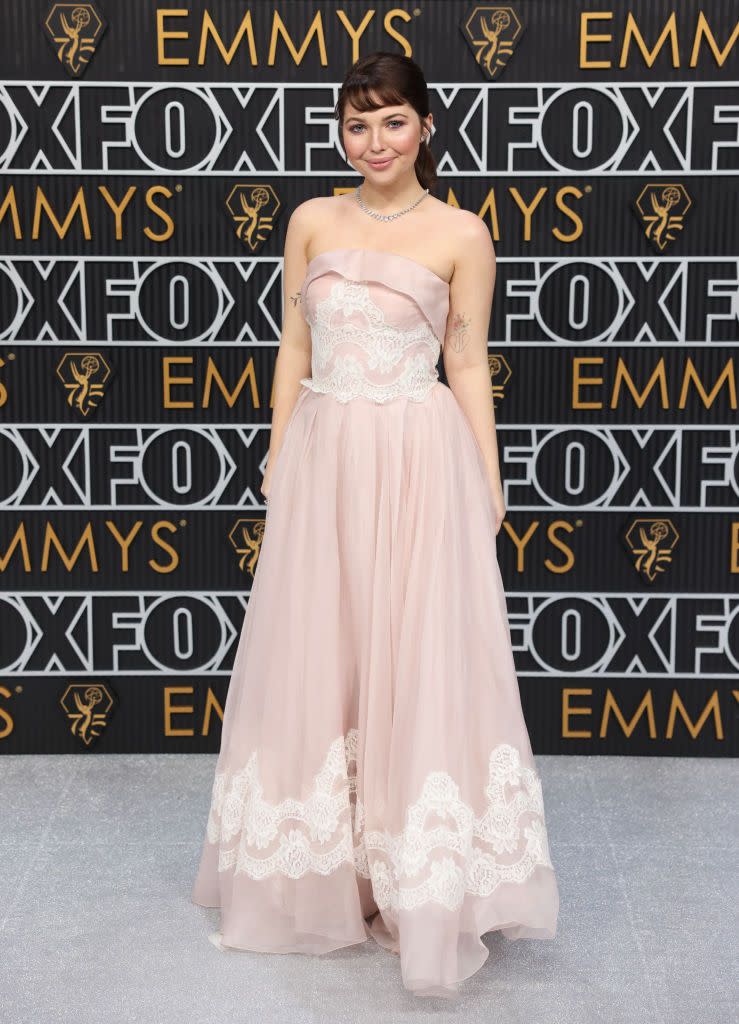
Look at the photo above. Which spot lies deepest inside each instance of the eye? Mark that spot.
(352, 132)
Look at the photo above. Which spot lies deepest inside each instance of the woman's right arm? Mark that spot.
(294, 353)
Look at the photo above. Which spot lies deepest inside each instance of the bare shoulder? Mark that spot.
(302, 224)
(470, 240)
(314, 216)
(469, 233)
(308, 212)
(313, 212)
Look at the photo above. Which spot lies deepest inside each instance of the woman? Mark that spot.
(375, 778)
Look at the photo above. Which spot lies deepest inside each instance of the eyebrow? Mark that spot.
(400, 113)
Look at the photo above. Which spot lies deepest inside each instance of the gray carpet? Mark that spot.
(99, 853)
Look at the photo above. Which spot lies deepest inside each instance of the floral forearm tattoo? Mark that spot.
(296, 298)
(458, 336)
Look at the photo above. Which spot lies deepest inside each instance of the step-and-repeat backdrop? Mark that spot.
(150, 157)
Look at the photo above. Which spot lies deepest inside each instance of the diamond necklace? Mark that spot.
(387, 216)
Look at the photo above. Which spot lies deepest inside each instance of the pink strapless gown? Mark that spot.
(375, 777)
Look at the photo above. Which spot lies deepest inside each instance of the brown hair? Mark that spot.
(392, 78)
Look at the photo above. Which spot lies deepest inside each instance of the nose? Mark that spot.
(376, 144)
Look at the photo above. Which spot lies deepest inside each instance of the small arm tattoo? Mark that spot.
(296, 298)
(458, 331)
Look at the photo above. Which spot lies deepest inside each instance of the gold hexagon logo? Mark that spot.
(253, 209)
(74, 31)
(662, 209)
(492, 32)
(500, 374)
(246, 538)
(651, 542)
(87, 707)
(84, 376)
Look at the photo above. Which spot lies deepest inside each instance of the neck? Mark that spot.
(391, 198)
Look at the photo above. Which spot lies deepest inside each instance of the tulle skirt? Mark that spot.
(375, 778)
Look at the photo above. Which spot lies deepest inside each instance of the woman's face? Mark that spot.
(383, 144)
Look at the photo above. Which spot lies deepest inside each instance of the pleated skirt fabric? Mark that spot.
(375, 778)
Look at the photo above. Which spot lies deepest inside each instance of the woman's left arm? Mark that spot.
(465, 351)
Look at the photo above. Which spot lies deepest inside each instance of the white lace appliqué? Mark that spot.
(348, 379)
(443, 851)
(412, 352)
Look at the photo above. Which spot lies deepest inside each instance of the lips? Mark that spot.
(378, 165)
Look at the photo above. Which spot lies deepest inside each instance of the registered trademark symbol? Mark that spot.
(19, 689)
(588, 188)
(416, 11)
(11, 355)
(578, 522)
(183, 522)
(178, 188)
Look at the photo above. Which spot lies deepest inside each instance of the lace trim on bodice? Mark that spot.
(375, 348)
(347, 380)
(443, 851)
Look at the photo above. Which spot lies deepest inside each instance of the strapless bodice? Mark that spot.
(377, 320)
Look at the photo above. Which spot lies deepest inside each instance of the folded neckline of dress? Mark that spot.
(354, 263)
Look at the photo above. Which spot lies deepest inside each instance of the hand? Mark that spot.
(499, 509)
(266, 481)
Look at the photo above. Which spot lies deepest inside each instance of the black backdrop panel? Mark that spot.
(140, 316)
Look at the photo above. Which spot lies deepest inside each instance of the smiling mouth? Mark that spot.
(379, 163)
